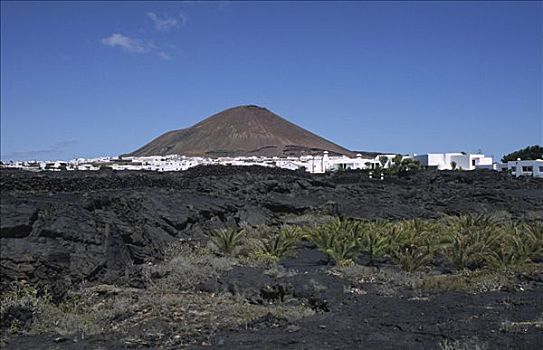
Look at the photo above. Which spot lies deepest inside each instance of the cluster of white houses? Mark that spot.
(313, 164)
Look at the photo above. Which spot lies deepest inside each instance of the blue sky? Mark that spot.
(89, 79)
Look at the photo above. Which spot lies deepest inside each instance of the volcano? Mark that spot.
(241, 131)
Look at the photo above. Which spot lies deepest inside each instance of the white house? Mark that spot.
(288, 164)
(324, 163)
(344, 163)
(445, 161)
(526, 167)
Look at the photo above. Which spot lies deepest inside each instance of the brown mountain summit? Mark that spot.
(241, 131)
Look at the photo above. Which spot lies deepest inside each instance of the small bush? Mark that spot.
(25, 310)
(339, 240)
(531, 237)
(373, 239)
(472, 240)
(343, 252)
(259, 258)
(282, 243)
(410, 258)
(226, 241)
(185, 267)
(413, 244)
(467, 241)
(18, 308)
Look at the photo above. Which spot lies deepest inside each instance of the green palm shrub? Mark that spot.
(343, 251)
(462, 251)
(533, 241)
(520, 244)
(338, 239)
(226, 241)
(419, 226)
(412, 257)
(473, 220)
(291, 233)
(413, 243)
(344, 228)
(504, 258)
(472, 240)
(416, 231)
(320, 236)
(396, 238)
(373, 239)
(468, 241)
(283, 243)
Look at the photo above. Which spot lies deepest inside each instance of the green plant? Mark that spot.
(259, 258)
(462, 251)
(410, 258)
(472, 220)
(453, 165)
(226, 241)
(343, 251)
(320, 236)
(27, 309)
(532, 237)
(520, 244)
(504, 258)
(397, 160)
(283, 243)
(21, 300)
(409, 164)
(373, 239)
(473, 239)
(413, 243)
(530, 152)
(383, 160)
(338, 239)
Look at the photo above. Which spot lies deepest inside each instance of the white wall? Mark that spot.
(522, 167)
(442, 161)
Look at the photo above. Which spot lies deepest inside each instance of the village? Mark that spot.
(316, 164)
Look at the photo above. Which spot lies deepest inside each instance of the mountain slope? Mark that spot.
(241, 131)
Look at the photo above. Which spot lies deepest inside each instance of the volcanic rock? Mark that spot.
(66, 227)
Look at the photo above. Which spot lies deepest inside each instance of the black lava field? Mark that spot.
(124, 247)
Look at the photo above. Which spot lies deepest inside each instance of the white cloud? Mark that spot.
(127, 44)
(141, 46)
(163, 55)
(166, 23)
(183, 17)
(134, 45)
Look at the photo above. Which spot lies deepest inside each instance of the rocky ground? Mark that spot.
(122, 257)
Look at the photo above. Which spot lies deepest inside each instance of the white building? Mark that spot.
(288, 164)
(312, 163)
(526, 167)
(347, 163)
(446, 161)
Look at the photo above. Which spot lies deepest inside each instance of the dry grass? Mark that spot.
(469, 344)
(522, 326)
(471, 282)
(168, 318)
